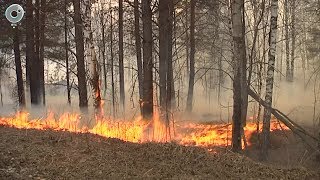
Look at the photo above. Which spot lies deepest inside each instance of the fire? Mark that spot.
(138, 131)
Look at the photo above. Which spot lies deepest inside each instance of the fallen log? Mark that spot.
(294, 127)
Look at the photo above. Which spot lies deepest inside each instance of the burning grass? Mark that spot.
(138, 131)
(47, 154)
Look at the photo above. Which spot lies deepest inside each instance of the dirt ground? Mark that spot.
(33, 154)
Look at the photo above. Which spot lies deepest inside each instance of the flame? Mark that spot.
(138, 131)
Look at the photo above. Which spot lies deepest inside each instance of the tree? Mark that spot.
(192, 54)
(32, 59)
(286, 19)
(240, 95)
(17, 60)
(42, 25)
(293, 38)
(270, 79)
(147, 101)
(138, 49)
(66, 44)
(95, 79)
(81, 73)
(163, 52)
(121, 68)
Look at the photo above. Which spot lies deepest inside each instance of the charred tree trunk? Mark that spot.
(17, 60)
(240, 96)
(121, 68)
(138, 49)
(192, 56)
(270, 79)
(81, 72)
(147, 103)
(66, 44)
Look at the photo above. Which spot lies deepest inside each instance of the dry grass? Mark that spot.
(32, 154)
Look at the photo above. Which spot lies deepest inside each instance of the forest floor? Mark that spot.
(34, 154)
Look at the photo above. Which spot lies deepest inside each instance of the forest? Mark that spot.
(178, 89)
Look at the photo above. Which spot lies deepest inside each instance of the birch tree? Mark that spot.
(240, 96)
(269, 79)
(95, 79)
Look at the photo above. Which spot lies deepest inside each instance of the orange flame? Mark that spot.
(196, 134)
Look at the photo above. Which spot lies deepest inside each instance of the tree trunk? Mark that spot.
(270, 79)
(170, 81)
(66, 44)
(163, 52)
(17, 60)
(192, 56)
(240, 96)
(121, 68)
(81, 72)
(32, 59)
(95, 80)
(147, 103)
(138, 49)
(103, 26)
(41, 50)
(112, 66)
(286, 18)
(293, 38)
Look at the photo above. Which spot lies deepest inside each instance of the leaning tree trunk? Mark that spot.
(81, 72)
(192, 55)
(138, 49)
(147, 102)
(17, 60)
(121, 68)
(239, 67)
(270, 79)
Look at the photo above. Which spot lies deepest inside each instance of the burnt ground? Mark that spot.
(34, 154)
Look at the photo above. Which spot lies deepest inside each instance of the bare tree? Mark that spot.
(31, 58)
(163, 52)
(17, 60)
(121, 68)
(66, 44)
(81, 73)
(192, 55)
(138, 48)
(270, 79)
(147, 102)
(240, 96)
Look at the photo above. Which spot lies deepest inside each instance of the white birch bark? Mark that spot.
(270, 78)
(91, 57)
